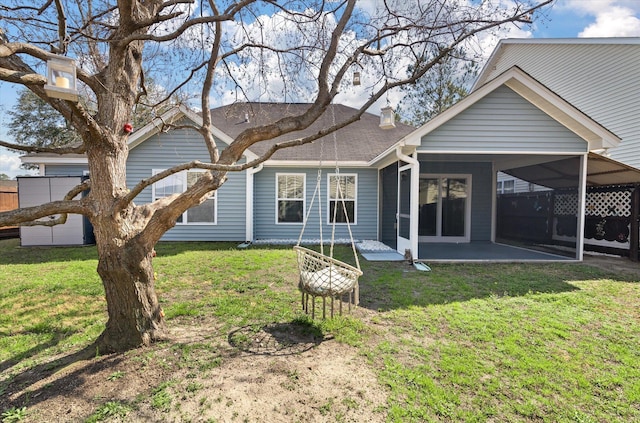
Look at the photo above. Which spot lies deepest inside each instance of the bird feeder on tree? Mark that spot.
(61, 78)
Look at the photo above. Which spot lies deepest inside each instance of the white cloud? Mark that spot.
(613, 18)
(615, 22)
(10, 165)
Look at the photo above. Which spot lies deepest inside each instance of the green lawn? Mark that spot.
(485, 342)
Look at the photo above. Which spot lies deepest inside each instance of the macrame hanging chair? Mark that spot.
(322, 275)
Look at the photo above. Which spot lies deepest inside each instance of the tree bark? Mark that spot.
(135, 316)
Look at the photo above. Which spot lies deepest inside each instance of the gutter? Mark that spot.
(249, 201)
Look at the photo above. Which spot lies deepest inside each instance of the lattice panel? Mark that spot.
(617, 203)
(566, 204)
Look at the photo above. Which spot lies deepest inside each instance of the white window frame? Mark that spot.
(467, 216)
(355, 199)
(501, 188)
(278, 198)
(185, 216)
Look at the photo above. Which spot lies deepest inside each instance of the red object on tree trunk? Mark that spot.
(128, 128)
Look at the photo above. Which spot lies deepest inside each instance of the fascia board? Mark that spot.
(173, 115)
(314, 163)
(592, 132)
(414, 138)
(53, 160)
(533, 91)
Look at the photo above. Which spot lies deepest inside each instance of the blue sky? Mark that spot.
(564, 19)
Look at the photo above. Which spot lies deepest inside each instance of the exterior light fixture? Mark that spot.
(387, 118)
(61, 78)
(356, 78)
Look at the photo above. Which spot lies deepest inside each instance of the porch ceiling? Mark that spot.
(564, 173)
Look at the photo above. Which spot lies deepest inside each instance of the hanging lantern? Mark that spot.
(387, 118)
(356, 78)
(61, 78)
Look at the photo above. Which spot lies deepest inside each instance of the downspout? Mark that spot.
(414, 205)
(249, 201)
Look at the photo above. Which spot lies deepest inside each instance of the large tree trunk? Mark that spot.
(135, 317)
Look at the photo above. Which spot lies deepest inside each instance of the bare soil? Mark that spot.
(278, 373)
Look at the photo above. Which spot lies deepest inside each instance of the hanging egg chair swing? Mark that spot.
(323, 275)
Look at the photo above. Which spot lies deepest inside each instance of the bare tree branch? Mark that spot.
(26, 216)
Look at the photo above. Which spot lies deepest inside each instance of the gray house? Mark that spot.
(429, 191)
(599, 76)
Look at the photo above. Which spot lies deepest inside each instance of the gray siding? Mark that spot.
(65, 170)
(502, 121)
(520, 185)
(266, 227)
(165, 150)
(481, 191)
(601, 79)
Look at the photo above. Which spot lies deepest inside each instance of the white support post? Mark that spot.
(582, 207)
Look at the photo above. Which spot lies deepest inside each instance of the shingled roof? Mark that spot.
(362, 141)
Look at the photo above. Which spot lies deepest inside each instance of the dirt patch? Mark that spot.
(618, 265)
(277, 373)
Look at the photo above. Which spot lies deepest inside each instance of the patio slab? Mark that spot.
(484, 252)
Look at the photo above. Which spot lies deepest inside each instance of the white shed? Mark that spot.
(33, 191)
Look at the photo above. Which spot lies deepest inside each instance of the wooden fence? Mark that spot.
(8, 201)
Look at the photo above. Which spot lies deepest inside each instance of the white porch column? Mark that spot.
(582, 207)
(415, 204)
(414, 167)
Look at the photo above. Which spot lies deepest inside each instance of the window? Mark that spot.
(506, 187)
(346, 194)
(290, 197)
(204, 213)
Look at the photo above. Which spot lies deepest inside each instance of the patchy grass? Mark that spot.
(486, 342)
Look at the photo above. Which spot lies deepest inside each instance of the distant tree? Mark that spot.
(441, 87)
(4, 177)
(34, 122)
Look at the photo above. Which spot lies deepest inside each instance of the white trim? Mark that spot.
(213, 195)
(249, 201)
(329, 199)
(314, 163)
(503, 152)
(139, 136)
(304, 198)
(59, 160)
(414, 167)
(582, 209)
(537, 94)
(171, 116)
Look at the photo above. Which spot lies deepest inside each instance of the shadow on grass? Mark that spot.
(57, 336)
(395, 285)
(12, 253)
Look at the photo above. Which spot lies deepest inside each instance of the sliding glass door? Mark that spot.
(444, 213)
